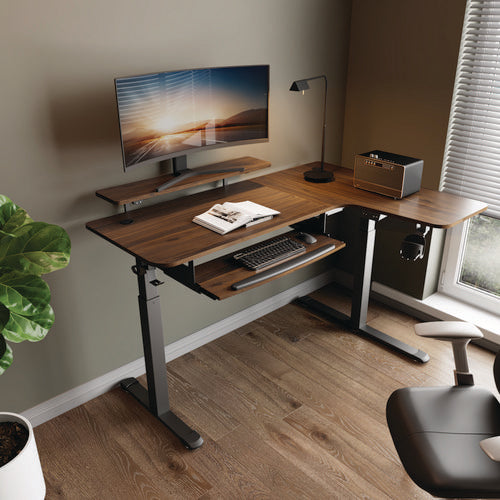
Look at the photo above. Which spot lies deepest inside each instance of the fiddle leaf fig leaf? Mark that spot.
(32, 328)
(23, 294)
(6, 359)
(35, 248)
(3, 346)
(4, 318)
(7, 210)
(11, 216)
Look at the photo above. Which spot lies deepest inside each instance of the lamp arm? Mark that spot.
(324, 126)
(324, 118)
(315, 175)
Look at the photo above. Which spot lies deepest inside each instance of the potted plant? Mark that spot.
(28, 250)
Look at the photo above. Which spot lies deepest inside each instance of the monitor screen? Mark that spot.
(164, 115)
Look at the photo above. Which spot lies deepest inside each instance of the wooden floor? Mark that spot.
(289, 406)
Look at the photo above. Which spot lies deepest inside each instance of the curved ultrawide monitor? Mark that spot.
(168, 114)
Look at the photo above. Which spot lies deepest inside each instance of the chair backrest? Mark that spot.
(496, 370)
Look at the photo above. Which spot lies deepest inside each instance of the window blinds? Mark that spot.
(472, 154)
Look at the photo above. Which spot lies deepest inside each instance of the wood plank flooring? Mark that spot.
(289, 406)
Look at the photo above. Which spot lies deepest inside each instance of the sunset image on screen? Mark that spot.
(165, 113)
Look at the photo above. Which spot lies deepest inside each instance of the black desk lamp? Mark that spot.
(316, 175)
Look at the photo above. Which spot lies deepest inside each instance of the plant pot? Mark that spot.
(22, 477)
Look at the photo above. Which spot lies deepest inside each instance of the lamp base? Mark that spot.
(318, 176)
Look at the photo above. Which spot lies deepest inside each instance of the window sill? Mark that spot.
(444, 307)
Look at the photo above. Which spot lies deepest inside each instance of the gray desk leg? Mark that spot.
(155, 398)
(361, 294)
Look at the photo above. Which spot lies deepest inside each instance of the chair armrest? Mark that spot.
(491, 447)
(459, 333)
(448, 330)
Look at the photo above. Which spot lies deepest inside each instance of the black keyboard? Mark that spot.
(288, 265)
(268, 253)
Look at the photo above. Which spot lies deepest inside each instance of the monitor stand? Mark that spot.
(181, 172)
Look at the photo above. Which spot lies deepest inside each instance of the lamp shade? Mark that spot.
(299, 86)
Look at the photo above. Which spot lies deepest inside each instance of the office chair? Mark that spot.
(448, 438)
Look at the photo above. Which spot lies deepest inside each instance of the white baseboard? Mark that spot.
(85, 392)
(442, 307)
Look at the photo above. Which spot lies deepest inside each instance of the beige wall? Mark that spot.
(60, 137)
(402, 63)
(59, 144)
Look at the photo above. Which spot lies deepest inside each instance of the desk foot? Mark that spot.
(338, 317)
(189, 437)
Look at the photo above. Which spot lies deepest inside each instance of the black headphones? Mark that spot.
(413, 246)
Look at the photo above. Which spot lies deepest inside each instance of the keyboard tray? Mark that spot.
(217, 276)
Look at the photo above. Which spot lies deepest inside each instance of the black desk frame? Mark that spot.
(356, 322)
(155, 398)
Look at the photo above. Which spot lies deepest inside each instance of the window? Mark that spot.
(471, 265)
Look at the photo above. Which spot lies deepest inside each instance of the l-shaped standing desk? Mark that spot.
(163, 236)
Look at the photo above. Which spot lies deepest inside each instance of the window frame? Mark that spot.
(453, 252)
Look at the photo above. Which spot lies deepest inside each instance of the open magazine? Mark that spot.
(228, 216)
